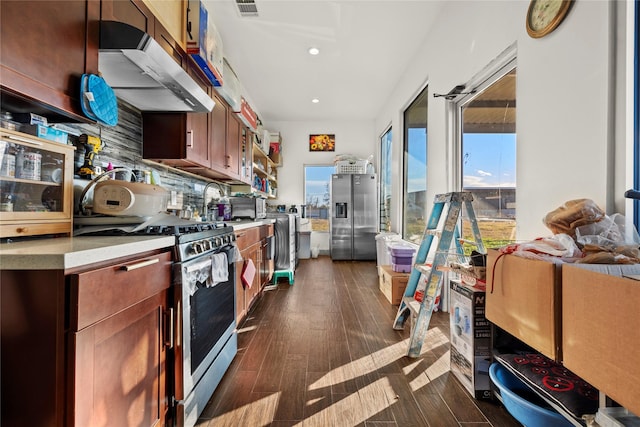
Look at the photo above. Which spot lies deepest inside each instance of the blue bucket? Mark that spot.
(523, 403)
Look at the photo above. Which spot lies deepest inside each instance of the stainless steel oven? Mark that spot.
(206, 337)
(203, 292)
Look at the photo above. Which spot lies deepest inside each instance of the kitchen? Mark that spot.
(568, 53)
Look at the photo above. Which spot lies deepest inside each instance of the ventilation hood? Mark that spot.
(144, 75)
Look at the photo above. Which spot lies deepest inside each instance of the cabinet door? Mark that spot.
(233, 146)
(45, 63)
(132, 12)
(176, 139)
(241, 308)
(119, 367)
(218, 136)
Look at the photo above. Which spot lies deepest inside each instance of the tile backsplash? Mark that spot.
(123, 147)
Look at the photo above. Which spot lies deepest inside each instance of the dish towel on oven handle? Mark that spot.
(206, 273)
(219, 269)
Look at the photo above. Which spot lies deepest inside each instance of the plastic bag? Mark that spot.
(609, 241)
(571, 215)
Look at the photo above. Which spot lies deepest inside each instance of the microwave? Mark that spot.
(248, 207)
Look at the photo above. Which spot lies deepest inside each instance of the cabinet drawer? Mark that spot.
(100, 293)
(247, 237)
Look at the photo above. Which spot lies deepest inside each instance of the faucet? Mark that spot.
(205, 209)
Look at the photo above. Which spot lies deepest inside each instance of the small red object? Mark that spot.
(248, 273)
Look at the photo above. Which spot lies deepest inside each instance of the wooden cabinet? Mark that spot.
(253, 245)
(176, 139)
(267, 262)
(36, 185)
(119, 334)
(233, 146)
(87, 347)
(41, 67)
(132, 12)
(225, 140)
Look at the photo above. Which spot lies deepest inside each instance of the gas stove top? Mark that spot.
(161, 224)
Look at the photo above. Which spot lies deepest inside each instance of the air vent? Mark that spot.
(247, 7)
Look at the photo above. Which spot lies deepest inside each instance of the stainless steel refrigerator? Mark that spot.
(354, 208)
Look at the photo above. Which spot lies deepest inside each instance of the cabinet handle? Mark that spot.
(140, 264)
(190, 141)
(228, 158)
(169, 319)
(25, 140)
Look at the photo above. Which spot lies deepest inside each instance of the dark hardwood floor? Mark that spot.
(323, 353)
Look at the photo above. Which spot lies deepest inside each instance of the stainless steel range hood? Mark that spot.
(143, 74)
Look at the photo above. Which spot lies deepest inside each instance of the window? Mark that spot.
(385, 181)
(316, 195)
(488, 155)
(415, 169)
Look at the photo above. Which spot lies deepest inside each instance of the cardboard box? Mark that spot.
(247, 115)
(392, 284)
(470, 339)
(524, 299)
(204, 43)
(601, 329)
(46, 132)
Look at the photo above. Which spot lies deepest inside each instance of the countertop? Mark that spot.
(72, 252)
(248, 223)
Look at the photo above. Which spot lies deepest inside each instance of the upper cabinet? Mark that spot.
(171, 13)
(41, 68)
(132, 12)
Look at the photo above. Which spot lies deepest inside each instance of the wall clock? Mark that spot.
(544, 16)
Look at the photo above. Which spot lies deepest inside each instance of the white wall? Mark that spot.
(564, 102)
(352, 137)
(571, 127)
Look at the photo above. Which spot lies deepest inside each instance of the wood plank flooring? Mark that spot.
(323, 353)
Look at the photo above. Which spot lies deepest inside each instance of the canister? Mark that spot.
(8, 167)
(28, 165)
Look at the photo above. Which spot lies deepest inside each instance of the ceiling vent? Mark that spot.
(247, 7)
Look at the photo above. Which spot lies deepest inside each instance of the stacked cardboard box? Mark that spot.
(392, 284)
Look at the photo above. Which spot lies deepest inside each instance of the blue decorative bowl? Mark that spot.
(523, 403)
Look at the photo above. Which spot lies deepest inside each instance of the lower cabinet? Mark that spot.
(253, 244)
(118, 343)
(87, 348)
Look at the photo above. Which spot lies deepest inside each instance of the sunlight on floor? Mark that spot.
(355, 408)
(383, 357)
(251, 414)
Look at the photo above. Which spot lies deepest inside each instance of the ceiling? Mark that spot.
(365, 45)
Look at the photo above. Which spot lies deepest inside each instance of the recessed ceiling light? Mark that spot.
(314, 51)
(315, 100)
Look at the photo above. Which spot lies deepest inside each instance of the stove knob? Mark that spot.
(197, 247)
(207, 245)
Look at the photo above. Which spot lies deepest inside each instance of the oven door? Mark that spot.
(206, 340)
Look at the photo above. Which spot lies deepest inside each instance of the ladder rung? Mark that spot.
(423, 268)
(412, 304)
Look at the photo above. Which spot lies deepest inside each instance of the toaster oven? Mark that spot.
(248, 208)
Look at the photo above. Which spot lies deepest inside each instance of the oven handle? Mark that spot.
(198, 266)
(140, 264)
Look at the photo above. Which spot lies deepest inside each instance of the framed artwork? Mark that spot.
(322, 142)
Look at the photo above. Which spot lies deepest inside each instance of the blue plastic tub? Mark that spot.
(522, 402)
